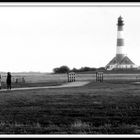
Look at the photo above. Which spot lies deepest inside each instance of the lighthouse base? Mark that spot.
(120, 62)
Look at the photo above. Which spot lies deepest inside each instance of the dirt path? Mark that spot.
(72, 84)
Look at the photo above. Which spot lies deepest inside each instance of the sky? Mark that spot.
(42, 38)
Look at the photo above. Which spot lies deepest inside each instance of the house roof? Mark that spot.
(121, 61)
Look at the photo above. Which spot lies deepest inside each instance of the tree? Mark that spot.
(74, 70)
(62, 69)
(101, 68)
(84, 69)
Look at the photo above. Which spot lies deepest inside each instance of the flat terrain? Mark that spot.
(68, 84)
(44, 79)
(111, 107)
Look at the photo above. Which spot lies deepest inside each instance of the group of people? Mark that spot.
(8, 80)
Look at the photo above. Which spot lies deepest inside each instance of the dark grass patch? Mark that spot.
(76, 127)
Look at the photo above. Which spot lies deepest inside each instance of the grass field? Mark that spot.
(111, 107)
(44, 79)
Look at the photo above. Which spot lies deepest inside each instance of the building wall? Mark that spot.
(129, 66)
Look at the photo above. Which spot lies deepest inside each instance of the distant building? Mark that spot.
(120, 61)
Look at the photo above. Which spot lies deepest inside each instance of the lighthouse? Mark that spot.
(120, 39)
(120, 61)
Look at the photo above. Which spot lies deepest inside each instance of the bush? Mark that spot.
(62, 69)
(66, 69)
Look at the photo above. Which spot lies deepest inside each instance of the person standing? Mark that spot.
(8, 80)
(0, 81)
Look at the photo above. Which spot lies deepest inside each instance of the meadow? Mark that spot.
(111, 107)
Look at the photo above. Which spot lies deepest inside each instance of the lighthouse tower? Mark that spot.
(120, 61)
(120, 39)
